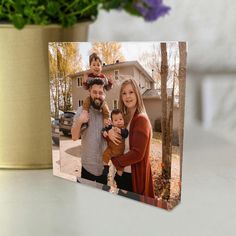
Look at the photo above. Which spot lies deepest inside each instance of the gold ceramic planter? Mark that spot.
(25, 129)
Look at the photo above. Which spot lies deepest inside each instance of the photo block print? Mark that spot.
(117, 115)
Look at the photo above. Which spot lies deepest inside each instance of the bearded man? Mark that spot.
(92, 142)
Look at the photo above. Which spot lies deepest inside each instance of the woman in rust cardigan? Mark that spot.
(140, 133)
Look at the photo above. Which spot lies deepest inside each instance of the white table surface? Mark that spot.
(40, 204)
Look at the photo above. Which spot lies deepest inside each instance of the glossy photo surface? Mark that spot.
(117, 112)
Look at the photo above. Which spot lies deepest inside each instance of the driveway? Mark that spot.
(68, 165)
(70, 160)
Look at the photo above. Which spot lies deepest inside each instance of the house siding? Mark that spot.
(79, 93)
(141, 80)
(154, 110)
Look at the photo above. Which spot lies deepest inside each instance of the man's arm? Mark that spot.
(75, 130)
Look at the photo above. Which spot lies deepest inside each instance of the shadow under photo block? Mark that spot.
(131, 95)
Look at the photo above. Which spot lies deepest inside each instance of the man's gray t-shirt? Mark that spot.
(92, 142)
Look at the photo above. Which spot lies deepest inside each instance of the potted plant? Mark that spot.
(68, 13)
(26, 27)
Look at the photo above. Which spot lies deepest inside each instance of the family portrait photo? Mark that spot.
(117, 117)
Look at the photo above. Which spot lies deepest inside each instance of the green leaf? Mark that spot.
(130, 9)
(1, 11)
(18, 21)
(37, 19)
(53, 8)
(44, 20)
(68, 21)
(112, 4)
(19, 5)
(28, 11)
(40, 8)
(33, 2)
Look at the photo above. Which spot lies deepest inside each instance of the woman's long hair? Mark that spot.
(140, 108)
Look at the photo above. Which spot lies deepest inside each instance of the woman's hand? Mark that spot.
(105, 134)
(117, 130)
(114, 136)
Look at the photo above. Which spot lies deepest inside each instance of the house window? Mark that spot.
(115, 104)
(141, 85)
(81, 102)
(116, 74)
(80, 81)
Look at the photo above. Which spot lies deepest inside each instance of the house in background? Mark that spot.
(119, 71)
(153, 105)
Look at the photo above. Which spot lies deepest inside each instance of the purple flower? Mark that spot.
(151, 9)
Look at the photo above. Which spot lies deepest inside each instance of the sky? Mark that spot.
(131, 50)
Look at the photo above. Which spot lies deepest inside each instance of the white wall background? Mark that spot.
(208, 26)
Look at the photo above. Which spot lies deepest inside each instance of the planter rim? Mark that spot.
(9, 25)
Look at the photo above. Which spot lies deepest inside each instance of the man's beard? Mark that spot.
(96, 103)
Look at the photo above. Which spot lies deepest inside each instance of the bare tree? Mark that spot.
(167, 119)
(64, 59)
(182, 82)
(69, 61)
(53, 78)
(152, 62)
(110, 52)
(166, 156)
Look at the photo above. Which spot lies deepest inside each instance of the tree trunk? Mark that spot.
(182, 79)
(166, 155)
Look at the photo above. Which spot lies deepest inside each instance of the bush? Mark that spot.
(67, 13)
